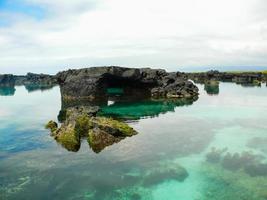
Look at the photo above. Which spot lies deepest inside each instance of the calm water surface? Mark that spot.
(213, 148)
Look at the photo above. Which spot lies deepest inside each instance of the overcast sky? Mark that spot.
(51, 35)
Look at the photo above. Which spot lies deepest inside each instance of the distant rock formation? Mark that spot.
(31, 81)
(7, 80)
(236, 77)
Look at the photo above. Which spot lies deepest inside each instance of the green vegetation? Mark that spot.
(51, 125)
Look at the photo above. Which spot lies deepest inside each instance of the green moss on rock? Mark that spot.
(82, 125)
(114, 127)
(69, 139)
(51, 125)
(101, 131)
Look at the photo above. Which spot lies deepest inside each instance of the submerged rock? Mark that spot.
(248, 162)
(164, 173)
(215, 155)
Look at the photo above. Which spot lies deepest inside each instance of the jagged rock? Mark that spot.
(92, 83)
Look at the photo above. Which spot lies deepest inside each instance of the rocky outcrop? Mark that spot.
(7, 80)
(237, 77)
(80, 122)
(92, 83)
(31, 78)
(31, 81)
(7, 85)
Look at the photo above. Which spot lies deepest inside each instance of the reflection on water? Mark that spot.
(143, 108)
(7, 91)
(214, 148)
(212, 89)
(36, 87)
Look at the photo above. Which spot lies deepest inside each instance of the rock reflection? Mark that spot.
(212, 87)
(7, 91)
(35, 87)
(145, 108)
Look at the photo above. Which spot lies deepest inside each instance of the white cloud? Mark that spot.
(167, 34)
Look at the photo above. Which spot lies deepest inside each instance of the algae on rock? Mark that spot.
(101, 131)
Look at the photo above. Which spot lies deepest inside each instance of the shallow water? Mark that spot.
(170, 158)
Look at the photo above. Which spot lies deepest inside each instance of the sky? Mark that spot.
(52, 35)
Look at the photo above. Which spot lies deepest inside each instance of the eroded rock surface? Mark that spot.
(92, 83)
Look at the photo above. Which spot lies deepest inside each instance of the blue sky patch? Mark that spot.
(21, 7)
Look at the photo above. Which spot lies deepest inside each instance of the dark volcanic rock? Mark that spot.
(237, 77)
(31, 81)
(92, 83)
(7, 80)
(31, 78)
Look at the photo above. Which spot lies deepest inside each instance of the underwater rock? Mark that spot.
(252, 164)
(223, 184)
(256, 169)
(101, 131)
(215, 155)
(163, 173)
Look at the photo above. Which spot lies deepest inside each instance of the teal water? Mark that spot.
(211, 148)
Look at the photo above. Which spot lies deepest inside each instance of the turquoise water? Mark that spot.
(211, 148)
